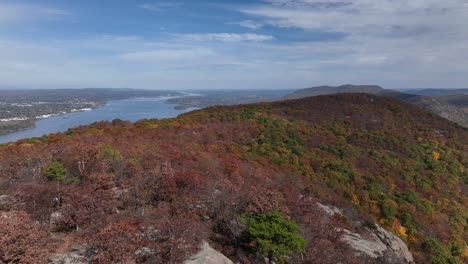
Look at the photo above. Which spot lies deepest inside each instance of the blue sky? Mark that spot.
(207, 44)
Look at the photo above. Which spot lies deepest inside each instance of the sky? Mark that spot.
(233, 44)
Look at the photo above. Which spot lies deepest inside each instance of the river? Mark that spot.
(129, 109)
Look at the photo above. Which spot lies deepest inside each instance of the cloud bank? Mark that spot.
(262, 44)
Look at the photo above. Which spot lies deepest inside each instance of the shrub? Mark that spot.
(108, 152)
(410, 196)
(376, 191)
(276, 236)
(389, 209)
(439, 253)
(21, 239)
(55, 171)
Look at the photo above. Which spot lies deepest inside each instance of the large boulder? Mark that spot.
(379, 244)
(7, 202)
(77, 255)
(55, 220)
(376, 242)
(208, 255)
(145, 255)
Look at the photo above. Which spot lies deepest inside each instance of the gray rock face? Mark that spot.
(144, 255)
(330, 210)
(208, 255)
(7, 202)
(78, 255)
(378, 243)
(55, 218)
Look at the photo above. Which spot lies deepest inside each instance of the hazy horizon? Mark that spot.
(223, 89)
(233, 44)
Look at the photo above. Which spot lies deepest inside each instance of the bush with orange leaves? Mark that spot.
(118, 242)
(21, 240)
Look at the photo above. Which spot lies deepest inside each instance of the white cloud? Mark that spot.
(178, 63)
(159, 6)
(23, 12)
(168, 55)
(227, 37)
(389, 17)
(392, 43)
(120, 38)
(249, 24)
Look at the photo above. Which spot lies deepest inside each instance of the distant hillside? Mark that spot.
(451, 107)
(442, 107)
(459, 100)
(85, 94)
(359, 177)
(323, 90)
(436, 92)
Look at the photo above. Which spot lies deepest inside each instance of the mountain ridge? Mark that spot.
(378, 161)
(325, 89)
(448, 107)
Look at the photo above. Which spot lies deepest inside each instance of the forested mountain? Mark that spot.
(337, 178)
(323, 90)
(460, 100)
(437, 92)
(451, 107)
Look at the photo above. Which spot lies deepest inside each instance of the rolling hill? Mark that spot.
(436, 92)
(451, 107)
(361, 178)
(323, 90)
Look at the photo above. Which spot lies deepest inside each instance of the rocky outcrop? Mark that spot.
(208, 255)
(376, 242)
(145, 255)
(330, 210)
(379, 244)
(77, 255)
(7, 202)
(55, 218)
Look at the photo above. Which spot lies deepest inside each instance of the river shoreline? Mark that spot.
(131, 109)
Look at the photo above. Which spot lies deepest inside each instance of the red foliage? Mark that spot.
(117, 242)
(21, 240)
(178, 181)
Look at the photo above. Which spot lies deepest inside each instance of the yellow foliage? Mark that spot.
(355, 199)
(374, 208)
(401, 230)
(465, 252)
(435, 155)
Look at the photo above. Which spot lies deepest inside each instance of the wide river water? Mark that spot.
(129, 109)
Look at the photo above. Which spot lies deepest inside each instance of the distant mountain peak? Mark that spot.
(346, 88)
(452, 106)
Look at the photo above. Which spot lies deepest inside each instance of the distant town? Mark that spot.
(19, 109)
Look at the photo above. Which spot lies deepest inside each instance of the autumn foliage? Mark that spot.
(152, 190)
